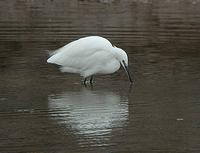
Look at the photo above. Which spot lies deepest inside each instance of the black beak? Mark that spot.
(127, 71)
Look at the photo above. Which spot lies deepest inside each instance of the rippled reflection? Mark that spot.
(90, 113)
(43, 110)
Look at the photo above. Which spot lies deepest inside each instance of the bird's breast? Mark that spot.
(110, 67)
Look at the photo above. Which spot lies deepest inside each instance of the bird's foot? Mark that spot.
(91, 80)
(85, 81)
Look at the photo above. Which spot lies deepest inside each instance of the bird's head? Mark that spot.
(122, 57)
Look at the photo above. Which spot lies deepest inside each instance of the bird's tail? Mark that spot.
(49, 54)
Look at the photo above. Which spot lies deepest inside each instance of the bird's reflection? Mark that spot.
(90, 113)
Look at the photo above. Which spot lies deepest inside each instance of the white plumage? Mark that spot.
(89, 56)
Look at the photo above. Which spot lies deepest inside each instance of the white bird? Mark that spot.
(89, 56)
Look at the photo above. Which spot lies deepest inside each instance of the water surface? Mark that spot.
(44, 110)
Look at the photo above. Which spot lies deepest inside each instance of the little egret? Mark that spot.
(89, 56)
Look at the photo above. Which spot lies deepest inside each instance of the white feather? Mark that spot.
(87, 56)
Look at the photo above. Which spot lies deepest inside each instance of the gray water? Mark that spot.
(45, 111)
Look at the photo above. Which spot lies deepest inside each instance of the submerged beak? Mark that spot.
(127, 71)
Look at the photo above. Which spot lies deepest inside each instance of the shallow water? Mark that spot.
(43, 110)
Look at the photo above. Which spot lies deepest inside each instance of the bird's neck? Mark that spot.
(116, 53)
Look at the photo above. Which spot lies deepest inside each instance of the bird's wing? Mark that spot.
(76, 53)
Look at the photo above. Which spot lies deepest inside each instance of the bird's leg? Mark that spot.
(91, 79)
(85, 81)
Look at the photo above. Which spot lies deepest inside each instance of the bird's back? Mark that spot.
(77, 50)
(86, 56)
